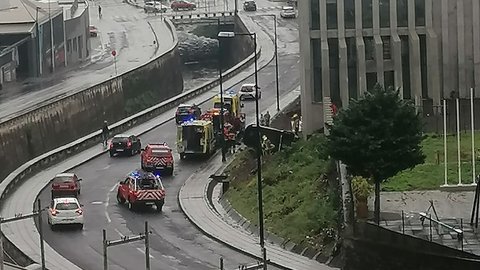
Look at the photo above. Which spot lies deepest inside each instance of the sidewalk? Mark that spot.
(123, 28)
(24, 234)
(195, 204)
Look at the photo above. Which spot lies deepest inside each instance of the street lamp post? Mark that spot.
(222, 124)
(276, 59)
(259, 146)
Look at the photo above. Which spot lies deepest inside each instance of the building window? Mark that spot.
(314, 14)
(407, 93)
(371, 80)
(352, 68)
(333, 54)
(332, 22)
(80, 46)
(75, 43)
(423, 65)
(389, 79)
(387, 49)
(367, 16)
(369, 48)
(350, 14)
(419, 12)
(384, 13)
(317, 69)
(402, 13)
(69, 46)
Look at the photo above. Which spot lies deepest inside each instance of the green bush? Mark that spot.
(299, 204)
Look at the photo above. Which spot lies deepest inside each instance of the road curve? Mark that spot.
(175, 243)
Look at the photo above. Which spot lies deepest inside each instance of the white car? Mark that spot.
(288, 12)
(65, 211)
(248, 91)
(154, 6)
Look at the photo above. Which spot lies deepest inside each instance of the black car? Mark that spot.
(187, 111)
(125, 144)
(250, 6)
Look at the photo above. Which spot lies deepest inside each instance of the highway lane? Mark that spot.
(175, 243)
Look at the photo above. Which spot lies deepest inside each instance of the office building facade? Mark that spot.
(429, 49)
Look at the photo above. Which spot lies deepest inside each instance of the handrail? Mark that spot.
(424, 216)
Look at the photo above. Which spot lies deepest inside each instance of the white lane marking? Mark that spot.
(107, 203)
(108, 166)
(143, 252)
(96, 203)
(119, 233)
(285, 72)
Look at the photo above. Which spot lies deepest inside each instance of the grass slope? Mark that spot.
(299, 204)
(429, 176)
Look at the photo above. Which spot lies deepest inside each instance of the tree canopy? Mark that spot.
(378, 135)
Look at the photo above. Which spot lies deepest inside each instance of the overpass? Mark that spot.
(226, 17)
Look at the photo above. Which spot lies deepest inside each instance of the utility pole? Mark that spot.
(18, 217)
(52, 52)
(125, 240)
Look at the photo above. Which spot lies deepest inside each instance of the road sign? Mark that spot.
(114, 52)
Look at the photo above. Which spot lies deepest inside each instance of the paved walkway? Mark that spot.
(122, 28)
(24, 233)
(194, 202)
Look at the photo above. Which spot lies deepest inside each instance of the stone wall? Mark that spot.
(65, 120)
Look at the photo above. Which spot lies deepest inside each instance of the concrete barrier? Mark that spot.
(30, 168)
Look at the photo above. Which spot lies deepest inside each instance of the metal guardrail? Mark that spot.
(202, 15)
(52, 157)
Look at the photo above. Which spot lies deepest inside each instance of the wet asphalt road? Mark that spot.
(175, 243)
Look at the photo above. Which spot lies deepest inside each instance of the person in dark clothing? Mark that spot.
(99, 12)
(105, 133)
(267, 119)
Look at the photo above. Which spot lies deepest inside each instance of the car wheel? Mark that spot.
(182, 156)
(159, 206)
(80, 227)
(120, 200)
(79, 191)
(112, 154)
(132, 152)
(141, 166)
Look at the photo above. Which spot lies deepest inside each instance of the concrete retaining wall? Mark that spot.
(64, 120)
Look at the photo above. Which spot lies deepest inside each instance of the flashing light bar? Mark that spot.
(188, 120)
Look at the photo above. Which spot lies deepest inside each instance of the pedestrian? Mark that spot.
(105, 133)
(262, 120)
(267, 119)
(99, 11)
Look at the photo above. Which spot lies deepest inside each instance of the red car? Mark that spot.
(66, 184)
(93, 31)
(141, 190)
(182, 4)
(157, 156)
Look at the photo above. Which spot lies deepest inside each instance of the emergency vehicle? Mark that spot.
(213, 115)
(141, 189)
(157, 156)
(196, 137)
(232, 103)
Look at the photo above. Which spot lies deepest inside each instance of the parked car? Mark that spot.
(186, 111)
(183, 5)
(288, 12)
(125, 144)
(65, 211)
(154, 7)
(248, 91)
(93, 31)
(250, 5)
(66, 184)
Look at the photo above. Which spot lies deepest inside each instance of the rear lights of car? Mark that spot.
(79, 211)
(54, 212)
(129, 144)
(111, 144)
(176, 112)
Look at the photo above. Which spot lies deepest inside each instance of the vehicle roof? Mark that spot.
(158, 146)
(66, 199)
(197, 123)
(65, 175)
(185, 105)
(248, 84)
(287, 7)
(121, 136)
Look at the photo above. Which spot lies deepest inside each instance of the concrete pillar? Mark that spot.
(379, 59)
(396, 48)
(376, 17)
(361, 66)
(476, 45)
(462, 87)
(414, 55)
(447, 78)
(343, 54)
(433, 59)
(325, 50)
(306, 81)
(358, 18)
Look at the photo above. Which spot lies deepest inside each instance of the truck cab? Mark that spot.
(157, 157)
(196, 137)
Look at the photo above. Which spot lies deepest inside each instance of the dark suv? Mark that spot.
(125, 144)
(250, 6)
(186, 111)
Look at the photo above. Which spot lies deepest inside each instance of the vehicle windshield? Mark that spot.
(120, 139)
(160, 152)
(288, 8)
(184, 109)
(247, 89)
(66, 206)
(149, 183)
(63, 179)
